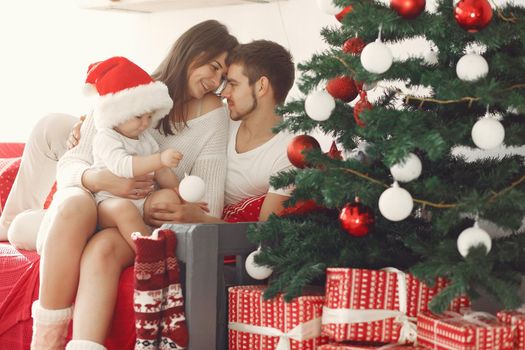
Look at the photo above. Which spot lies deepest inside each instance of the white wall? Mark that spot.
(47, 46)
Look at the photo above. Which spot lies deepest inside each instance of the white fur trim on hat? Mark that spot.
(114, 109)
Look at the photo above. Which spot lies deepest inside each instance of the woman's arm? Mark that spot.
(77, 160)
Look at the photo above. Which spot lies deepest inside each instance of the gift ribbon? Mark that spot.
(470, 316)
(304, 331)
(408, 331)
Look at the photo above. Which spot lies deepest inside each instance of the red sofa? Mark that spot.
(19, 280)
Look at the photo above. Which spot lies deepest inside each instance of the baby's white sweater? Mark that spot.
(202, 144)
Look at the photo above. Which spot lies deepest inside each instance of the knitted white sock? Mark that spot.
(84, 345)
(49, 327)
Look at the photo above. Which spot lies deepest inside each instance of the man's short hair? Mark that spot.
(269, 59)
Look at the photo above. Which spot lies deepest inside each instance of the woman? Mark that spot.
(77, 262)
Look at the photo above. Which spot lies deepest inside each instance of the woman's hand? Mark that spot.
(74, 135)
(104, 180)
(161, 213)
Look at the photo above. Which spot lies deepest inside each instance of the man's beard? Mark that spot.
(241, 116)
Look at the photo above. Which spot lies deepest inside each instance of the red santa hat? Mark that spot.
(125, 91)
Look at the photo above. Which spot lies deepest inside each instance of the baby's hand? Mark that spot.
(170, 158)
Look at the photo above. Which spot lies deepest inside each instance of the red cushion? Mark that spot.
(8, 170)
(11, 150)
(245, 211)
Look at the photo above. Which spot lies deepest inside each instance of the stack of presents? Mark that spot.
(366, 309)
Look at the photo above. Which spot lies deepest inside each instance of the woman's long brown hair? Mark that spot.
(198, 45)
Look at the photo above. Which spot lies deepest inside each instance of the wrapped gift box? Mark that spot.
(376, 305)
(255, 323)
(469, 331)
(350, 346)
(515, 319)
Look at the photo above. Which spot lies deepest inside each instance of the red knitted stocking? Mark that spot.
(150, 280)
(174, 330)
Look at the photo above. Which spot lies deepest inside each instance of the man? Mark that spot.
(260, 75)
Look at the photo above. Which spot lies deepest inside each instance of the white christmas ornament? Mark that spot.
(408, 169)
(319, 105)
(254, 270)
(488, 133)
(471, 237)
(376, 57)
(192, 188)
(472, 67)
(395, 203)
(328, 6)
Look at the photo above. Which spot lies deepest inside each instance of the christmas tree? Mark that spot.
(420, 201)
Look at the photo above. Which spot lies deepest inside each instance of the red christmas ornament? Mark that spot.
(342, 88)
(360, 106)
(354, 46)
(357, 219)
(473, 15)
(408, 9)
(298, 145)
(343, 13)
(334, 153)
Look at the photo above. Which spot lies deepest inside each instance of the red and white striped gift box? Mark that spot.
(255, 323)
(515, 319)
(469, 331)
(349, 346)
(376, 305)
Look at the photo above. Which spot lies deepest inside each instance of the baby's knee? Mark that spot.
(164, 195)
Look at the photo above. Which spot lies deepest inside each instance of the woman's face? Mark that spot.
(206, 78)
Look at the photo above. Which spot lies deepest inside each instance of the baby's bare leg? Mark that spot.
(161, 196)
(124, 215)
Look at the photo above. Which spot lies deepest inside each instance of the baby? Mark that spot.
(129, 102)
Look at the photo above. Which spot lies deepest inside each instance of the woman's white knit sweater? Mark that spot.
(202, 143)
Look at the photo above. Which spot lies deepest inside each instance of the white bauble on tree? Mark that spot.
(254, 270)
(408, 169)
(472, 67)
(395, 203)
(328, 6)
(472, 237)
(376, 57)
(192, 188)
(319, 105)
(488, 133)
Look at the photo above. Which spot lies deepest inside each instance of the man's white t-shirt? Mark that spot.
(249, 173)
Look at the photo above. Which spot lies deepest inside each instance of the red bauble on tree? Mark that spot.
(357, 219)
(354, 46)
(343, 13)
(408, 9)
(473, 15)
(342, 88)
(334, 152)
(298, 146)
(360, 106)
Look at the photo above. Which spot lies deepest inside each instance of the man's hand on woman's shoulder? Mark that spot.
(74, 135)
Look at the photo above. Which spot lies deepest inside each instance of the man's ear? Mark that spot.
(262, 87)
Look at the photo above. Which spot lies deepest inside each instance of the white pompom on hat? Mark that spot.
(125, 91)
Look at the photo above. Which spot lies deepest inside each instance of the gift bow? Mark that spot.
(408, 331)
(303, 331)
